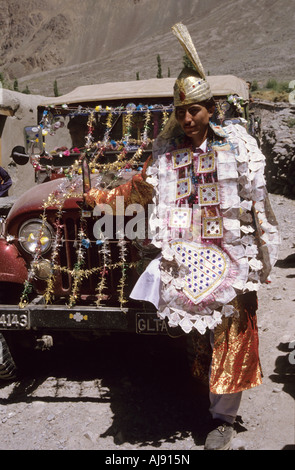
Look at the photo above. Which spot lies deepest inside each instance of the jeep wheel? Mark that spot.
(7, 365)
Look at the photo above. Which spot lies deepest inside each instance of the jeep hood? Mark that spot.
(33, 199)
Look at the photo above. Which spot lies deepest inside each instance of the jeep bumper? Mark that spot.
(60, 317)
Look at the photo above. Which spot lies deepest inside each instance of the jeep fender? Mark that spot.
(12, 266)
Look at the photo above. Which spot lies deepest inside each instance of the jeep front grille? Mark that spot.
(94, 257)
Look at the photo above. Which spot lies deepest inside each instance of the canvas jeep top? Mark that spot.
(58, 271)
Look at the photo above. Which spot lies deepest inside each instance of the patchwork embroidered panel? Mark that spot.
(181, 158)
(208, 194)
(183, 188)
(205, 163)
(208, 267)
(180, 217)
(212, 227)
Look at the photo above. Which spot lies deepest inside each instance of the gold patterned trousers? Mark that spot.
(235, 364)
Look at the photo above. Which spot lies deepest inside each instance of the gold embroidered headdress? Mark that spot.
(191, 85)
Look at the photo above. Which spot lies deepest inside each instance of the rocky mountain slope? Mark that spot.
(93, 41)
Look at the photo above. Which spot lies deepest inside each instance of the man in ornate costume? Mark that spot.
(218, 238)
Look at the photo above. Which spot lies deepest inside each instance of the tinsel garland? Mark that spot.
(48, 295)
(121, 286)
(58, 202)
(56, 199)
(109, 121)
(125, 140)
(85, 273)
(106, 263)
(166, 115)
(28, 286)
(77, 273)
(120, 163)
(89, 137)
(98, 148)
(67, 190)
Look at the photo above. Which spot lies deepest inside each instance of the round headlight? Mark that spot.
(34, 233)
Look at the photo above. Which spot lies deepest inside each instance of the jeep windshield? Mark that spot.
(114, 122)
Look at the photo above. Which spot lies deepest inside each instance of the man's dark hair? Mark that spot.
(208, 103)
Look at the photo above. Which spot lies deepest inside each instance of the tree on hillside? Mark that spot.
(26, 91)
(55, 88)
(2, 81)
(159, 74)
(15, 85)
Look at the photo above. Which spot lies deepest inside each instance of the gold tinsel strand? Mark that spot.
(121, 286)
(48, 295)
(78, 273)
(105, 267)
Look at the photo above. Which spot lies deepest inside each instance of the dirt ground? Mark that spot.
(135, 393)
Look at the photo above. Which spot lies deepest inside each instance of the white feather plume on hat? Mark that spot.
(182, 34)
(191, 86)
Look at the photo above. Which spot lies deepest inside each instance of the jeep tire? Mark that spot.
(7, 365)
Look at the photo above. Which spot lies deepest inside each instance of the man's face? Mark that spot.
(194, 120)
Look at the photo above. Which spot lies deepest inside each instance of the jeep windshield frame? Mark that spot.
(119, 99)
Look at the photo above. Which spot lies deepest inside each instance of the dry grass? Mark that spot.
(271, 95)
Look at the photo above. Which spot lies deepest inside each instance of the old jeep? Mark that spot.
(60, 273)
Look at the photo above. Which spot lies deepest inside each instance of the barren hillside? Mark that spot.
(78, 43)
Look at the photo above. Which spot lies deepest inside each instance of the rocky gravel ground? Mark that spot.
(278, 145)
(135, 393)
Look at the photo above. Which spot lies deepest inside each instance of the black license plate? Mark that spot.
(150, 324)
(14, 321)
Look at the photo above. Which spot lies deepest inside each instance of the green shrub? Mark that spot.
(272, 84)
(254, 85)
(291, 122)
(283, 87)
(26, 91)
